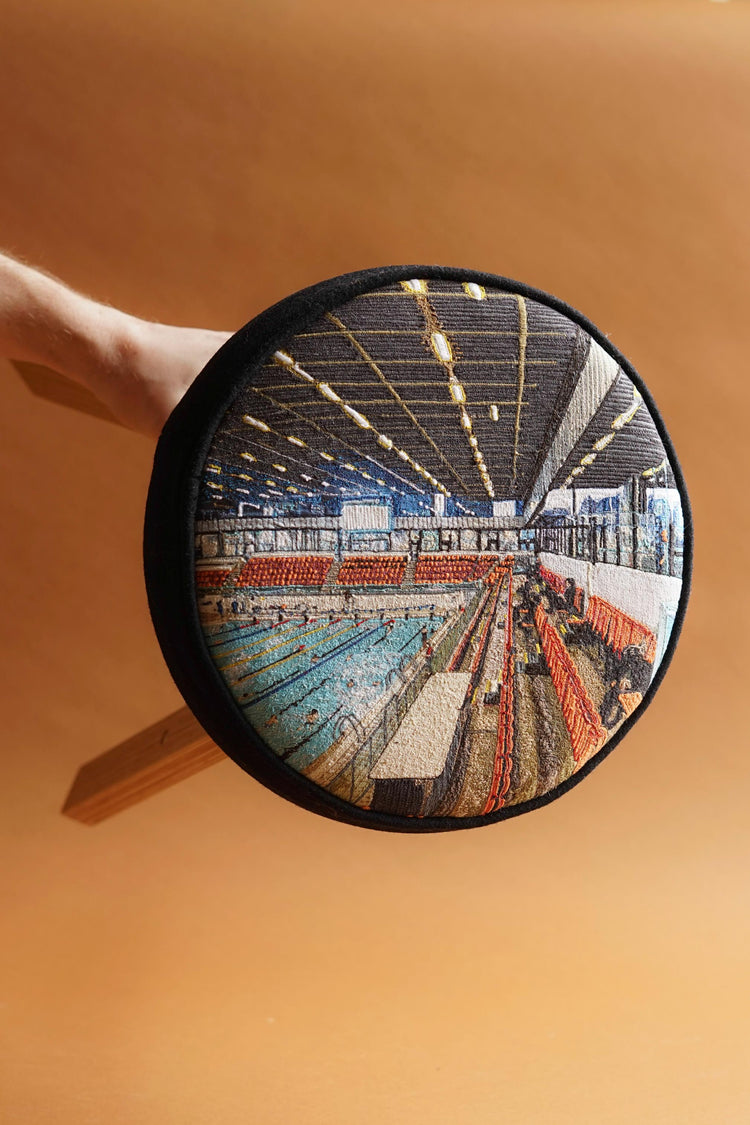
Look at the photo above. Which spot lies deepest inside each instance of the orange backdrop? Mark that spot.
(216, 955)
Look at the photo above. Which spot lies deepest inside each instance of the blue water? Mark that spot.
(297, 681)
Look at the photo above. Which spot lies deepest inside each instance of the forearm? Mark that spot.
(42, 321)
(140, 369)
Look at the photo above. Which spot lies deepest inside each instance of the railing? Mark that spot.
(506, 716)
(645, 542)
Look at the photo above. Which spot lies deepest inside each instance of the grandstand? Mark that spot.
(439, 549)
(372, 570)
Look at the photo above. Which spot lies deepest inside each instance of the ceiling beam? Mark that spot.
(592, 386)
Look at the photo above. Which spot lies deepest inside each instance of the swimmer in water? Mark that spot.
(312, 717)
(270, 722)
(350, 683)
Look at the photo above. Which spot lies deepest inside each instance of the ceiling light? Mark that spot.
(493, 413)
(623, 419)
(441, 347)
(358, 418)
(473, 290)
(281, 468)
(385, 441)
(296, 441)
(328, 392)
(588, 459)
(248, 456)
(250, 421)
(465, 420)
(603, 442)
(327, 456)
(458, 394)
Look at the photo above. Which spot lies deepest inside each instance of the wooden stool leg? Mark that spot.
(157, 757)
(164, 753)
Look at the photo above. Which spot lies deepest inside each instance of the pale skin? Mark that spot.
(137, 368)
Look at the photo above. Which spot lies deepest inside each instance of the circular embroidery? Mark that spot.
(438, 549)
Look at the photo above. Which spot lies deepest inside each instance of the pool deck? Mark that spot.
(420, 747)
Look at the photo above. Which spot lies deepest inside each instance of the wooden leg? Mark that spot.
(164, 753)
(158, 757)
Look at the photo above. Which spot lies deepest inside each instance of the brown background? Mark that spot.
(216, 955)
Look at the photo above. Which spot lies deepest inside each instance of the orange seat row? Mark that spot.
(587, 734)
(372, 570)
(291, 570)
(453, 568)
(617, 629)
(558, 585)
(211, 579)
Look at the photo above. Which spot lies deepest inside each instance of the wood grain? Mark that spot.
(152, 760)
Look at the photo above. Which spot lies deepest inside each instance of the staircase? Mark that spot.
(409, 574)
(332, 575)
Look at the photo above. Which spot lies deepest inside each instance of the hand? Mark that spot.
(150, 368)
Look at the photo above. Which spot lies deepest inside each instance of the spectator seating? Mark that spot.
(211, 579)
(587, 734)
(372, 570)
(285, 570)
(617, 629)
(558, 585)
(452, 569)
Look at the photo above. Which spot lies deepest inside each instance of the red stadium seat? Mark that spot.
(280, 570)
(452, 569)
(617, 629)
(211, 579)
(372, 570)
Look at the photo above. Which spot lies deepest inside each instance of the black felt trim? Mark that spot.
(169, 553)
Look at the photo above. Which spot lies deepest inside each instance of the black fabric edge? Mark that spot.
(168, 544)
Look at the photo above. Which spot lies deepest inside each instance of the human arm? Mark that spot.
(139, 369)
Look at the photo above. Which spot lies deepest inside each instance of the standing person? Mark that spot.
(569, 597)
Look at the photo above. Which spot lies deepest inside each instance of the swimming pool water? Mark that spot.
(301, 682)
